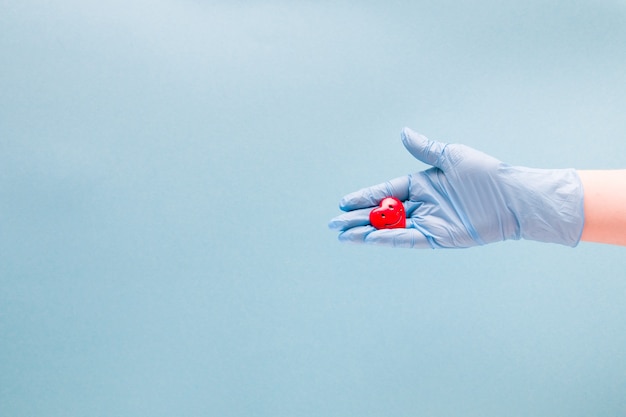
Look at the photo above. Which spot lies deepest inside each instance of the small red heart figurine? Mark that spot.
(389, 215)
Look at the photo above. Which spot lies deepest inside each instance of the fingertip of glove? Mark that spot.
(343, 204)
(404, 134)
(414, 142)
(336, 224)
(424, 149)
(408, 134)
(347, 237)
(342, 237)
(349, 202)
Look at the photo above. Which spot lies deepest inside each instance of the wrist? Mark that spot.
(548, 204)
(605, 206)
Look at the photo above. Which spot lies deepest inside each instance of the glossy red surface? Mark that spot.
(389, 214)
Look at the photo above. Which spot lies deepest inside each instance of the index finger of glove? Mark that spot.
(371, 196)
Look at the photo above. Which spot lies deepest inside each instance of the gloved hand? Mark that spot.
(466, 199)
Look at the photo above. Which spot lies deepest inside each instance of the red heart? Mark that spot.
(389, 215)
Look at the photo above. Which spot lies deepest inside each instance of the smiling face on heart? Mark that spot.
(389, 214)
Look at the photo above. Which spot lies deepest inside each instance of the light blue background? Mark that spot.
(168, 169)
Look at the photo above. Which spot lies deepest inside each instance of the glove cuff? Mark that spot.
(548, 204)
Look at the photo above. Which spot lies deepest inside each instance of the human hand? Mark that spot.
(467, 199)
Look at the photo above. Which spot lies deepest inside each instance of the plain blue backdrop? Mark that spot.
(168, 169)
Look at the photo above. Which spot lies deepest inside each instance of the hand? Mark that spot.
(466, 199)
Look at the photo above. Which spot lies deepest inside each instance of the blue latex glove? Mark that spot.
(468, 198)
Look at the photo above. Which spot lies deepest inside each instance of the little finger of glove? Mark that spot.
(397, 238)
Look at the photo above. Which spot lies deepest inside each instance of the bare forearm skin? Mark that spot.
(605, 206)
